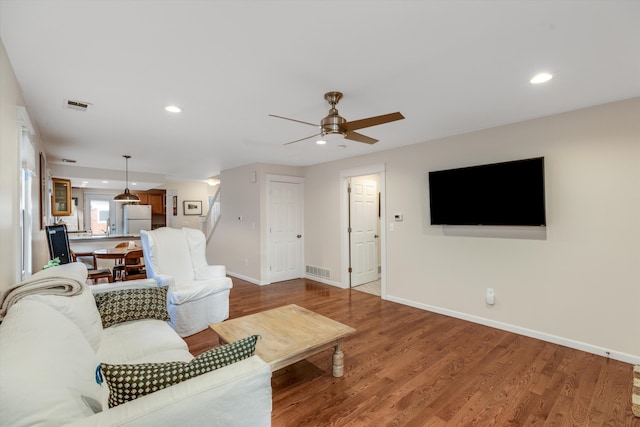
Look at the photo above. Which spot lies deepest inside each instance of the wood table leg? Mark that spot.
(338, 360)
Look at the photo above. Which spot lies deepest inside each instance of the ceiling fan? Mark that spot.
(336, 124)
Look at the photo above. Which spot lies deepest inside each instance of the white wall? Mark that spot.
(10, 97)
(240, 244)
(10, 185)
(198, 191)
(236, 243)
(580, 286)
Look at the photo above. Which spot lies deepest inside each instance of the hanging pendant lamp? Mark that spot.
(127, 196)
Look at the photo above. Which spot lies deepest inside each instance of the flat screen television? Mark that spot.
(509, 193)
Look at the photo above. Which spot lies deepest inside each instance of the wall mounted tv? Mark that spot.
(509, 193)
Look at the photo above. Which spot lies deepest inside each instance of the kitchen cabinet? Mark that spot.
(60, 197)
(157, 204)
(144, 198)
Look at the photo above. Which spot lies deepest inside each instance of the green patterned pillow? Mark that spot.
(132, 304)
(128, 382)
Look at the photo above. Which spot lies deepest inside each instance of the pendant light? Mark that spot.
(127, 196)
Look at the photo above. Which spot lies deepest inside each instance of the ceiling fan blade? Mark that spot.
(372, 121)
(302, 139)
(294, 120)
(355, 136)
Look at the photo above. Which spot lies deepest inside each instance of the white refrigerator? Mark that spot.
(136, 218)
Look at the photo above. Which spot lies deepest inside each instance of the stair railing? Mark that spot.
(213, 216)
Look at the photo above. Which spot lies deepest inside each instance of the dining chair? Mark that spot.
(94, 274)
(58, 240)
(119, 263)
(134, 266)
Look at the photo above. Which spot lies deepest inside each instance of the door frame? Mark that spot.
(291, 180)
(376, 169)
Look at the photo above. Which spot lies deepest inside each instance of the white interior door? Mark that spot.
(285, 230)
(364, 228)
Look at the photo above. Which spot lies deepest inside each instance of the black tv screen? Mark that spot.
(509, 193)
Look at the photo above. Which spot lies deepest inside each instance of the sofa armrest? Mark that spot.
(236, 395)
(164, 279)
(211, 272)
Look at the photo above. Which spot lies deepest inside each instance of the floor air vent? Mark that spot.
(317, 271)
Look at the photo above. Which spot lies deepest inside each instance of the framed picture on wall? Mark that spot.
(192, 207)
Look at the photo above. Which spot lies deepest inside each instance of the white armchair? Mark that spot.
(198, 293)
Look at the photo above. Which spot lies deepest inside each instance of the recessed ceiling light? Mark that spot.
(105, 182)
(173, 109)
(321, 142)
(541, 78)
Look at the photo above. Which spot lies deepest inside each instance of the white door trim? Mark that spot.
(344, 223)
(292, 180)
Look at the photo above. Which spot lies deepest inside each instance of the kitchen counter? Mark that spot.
(86, 237)
(86, 243)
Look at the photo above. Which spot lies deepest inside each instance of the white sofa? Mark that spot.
(50, 347)
(198, 293)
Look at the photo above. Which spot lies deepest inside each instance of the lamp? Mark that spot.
(127, 196)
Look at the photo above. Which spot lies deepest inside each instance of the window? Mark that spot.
(28, 160)
(102, 215)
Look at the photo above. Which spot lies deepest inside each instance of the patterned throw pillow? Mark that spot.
(128, 382)
(132, 304)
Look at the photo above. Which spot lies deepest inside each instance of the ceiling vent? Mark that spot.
(77, 105)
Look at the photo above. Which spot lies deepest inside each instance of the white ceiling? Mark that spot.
(449, 66)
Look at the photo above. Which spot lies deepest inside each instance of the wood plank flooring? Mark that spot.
(409, 367)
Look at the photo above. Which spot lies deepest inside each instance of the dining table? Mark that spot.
(117, 254)
(114, 253)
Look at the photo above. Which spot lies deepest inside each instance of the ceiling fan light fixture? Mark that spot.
(173, 109)
(126, 196)
(334, 124)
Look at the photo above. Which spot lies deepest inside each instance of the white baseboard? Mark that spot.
(262, 283)
(247, 279)
(325, 281)
(578, 345)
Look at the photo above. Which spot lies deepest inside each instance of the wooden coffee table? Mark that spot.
(289, 334)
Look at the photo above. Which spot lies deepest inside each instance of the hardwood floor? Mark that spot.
(409, 367)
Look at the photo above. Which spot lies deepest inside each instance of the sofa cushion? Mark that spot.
(47, 368)
(132, 304)
(128, 382)
(80, 309)
(139, 340)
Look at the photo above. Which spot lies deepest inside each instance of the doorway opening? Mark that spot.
(363, 237)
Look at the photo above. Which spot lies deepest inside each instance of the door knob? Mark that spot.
(376, 236)
(299, 236)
